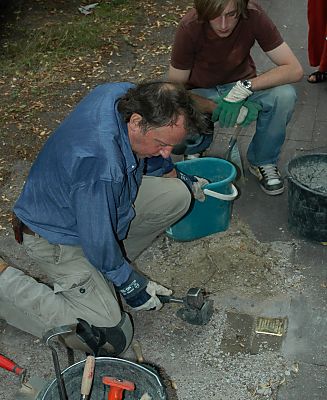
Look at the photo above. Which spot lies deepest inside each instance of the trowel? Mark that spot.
(233, 153)
(31, 387)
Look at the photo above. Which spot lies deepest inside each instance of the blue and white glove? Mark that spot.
(194, 183)
(141, 294)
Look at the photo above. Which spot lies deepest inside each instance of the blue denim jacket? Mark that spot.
(158, 166)
(82, 186)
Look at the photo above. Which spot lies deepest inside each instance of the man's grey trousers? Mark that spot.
(80, 290)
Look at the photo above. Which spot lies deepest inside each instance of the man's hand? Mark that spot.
(251, 115)
(228, 107)
(154, 289)
(197, 188)
(194, 183)
(141, 294)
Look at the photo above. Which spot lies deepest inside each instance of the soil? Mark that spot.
(236, 270)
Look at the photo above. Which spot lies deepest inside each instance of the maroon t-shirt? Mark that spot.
(216, 61)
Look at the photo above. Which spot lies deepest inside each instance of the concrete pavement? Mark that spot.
(267, 216)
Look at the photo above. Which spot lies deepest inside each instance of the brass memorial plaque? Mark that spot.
(270, 326)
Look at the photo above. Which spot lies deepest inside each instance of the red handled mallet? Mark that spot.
(117, 386)
(11, 366)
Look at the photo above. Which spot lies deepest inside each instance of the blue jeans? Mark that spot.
(277, 108)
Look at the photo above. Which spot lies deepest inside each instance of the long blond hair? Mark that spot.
(211, 9)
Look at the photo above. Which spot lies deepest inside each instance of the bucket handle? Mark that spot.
(221, 196)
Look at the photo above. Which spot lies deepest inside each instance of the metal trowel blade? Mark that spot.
(31, 389)
(234, 156)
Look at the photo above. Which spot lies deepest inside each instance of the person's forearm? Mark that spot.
(204, 105)
(277, 76)
(3, 266)
(182, 76)
(119, 275)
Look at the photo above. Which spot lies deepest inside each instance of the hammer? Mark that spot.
(196, 311)
(117, 387)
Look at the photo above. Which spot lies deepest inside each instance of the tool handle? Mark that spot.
(169, 299)
(87, 378)
(10, 365)
(136, 346)
(237, 131)
(117, 386)
(232, 142)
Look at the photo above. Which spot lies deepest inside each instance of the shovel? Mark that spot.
(29, 389)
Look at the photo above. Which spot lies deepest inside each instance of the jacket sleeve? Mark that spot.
(102, 221)
(158, 166)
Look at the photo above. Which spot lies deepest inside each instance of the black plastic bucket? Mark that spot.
(307, 196)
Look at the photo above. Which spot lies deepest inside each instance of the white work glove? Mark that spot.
(242, 115)
(197, 188)
(140, 293)
(250, 114)
(238, 93)
(153, 289)
(194, 183)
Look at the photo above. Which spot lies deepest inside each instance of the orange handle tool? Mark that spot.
(117, 386)
(9, 365)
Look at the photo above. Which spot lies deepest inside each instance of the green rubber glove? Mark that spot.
(252, 114)
(228, 113)
(229, 106)
(216, 111)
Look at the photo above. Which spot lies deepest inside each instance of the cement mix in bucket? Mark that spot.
(312, 174)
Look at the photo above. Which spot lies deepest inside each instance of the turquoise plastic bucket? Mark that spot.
(214, 214)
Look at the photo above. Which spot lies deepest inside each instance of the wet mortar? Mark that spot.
(312, 174)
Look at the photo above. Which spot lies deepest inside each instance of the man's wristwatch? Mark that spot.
(247, 84)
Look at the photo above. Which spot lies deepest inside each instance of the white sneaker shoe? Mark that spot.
(269, 177)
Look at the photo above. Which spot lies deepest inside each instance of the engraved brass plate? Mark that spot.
(270, 326)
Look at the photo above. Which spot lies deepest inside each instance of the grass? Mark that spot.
(59, 38)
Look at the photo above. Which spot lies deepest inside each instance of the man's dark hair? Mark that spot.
(210, 9)
(160, 104)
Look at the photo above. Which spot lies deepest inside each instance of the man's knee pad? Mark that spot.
(102, 341)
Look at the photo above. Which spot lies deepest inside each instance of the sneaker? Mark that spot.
(269, 178)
